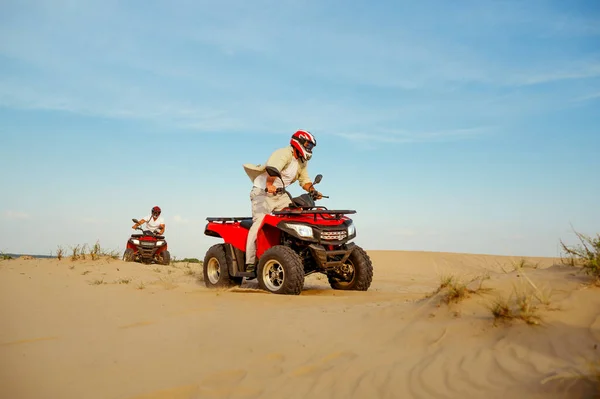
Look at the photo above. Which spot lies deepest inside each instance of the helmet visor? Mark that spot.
(308, 145)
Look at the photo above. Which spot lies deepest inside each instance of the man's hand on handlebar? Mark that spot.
(271, 189)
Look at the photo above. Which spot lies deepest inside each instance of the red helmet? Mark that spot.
(303, 142)
(156, 210)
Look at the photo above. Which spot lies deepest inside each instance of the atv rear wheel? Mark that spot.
(129, 255)
(359, 268)
(165, 258)
(216, 268)
(280, 271)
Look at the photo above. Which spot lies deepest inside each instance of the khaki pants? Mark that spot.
(262, 204)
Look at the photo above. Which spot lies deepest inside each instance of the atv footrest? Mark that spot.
(245, 274)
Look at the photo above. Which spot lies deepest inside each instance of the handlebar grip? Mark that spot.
(279, 190)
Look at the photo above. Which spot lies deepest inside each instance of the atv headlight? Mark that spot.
(301, 230)
(135, 242)
(351, 230)
(159, 243)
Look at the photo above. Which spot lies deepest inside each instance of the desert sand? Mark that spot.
(108, 329)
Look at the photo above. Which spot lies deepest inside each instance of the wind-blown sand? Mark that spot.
(64, 336)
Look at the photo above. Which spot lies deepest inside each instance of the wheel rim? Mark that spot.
(348, 269)
(273, 275)
(213, 270)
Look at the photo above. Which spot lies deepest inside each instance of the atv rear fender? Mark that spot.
(231, 233)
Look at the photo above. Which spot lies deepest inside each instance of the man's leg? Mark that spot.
(279, 202)
(259, 210)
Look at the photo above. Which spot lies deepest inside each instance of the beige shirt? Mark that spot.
(280, 159)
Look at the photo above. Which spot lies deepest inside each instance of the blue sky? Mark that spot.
(464, 126)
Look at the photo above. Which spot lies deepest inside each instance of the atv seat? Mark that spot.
(246, 223)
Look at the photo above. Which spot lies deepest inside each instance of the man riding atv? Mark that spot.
(267, 193)
(150, 246)
(154, 222)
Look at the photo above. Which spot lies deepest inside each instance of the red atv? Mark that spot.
(292, 243)
(147, 247)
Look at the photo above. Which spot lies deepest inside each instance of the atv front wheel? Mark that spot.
(358, 268)
(129, 255)
(165, 258)
(280, 271)
(216, 268)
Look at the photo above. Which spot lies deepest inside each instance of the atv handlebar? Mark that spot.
(281, 190)
(148, 232)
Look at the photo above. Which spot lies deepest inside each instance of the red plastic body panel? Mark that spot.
(231, 233)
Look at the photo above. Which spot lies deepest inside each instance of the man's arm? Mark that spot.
(161, 229)
(304, 179)
(279, 159)
(141, 222)
(308, 187)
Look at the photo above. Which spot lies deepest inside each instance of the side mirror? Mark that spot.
(134, 220)
(318, 179)
(273, 172)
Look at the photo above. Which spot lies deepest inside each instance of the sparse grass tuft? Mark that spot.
(187, 260)
(4, 256)
(75, 253)
(141, 285)
(455, 290)
(527, 308)
(124, 281)
(95, 251)
(520, 265)
(501, 309)
(98, 281)
(520, 305)
(82, 252)
(85, 272)
(157, 270)
(585, 255)
(111, 254)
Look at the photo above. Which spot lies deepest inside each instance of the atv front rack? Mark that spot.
(336, 214)
(229, 219)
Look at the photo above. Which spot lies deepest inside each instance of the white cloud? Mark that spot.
(567, 72)
(17, 215)
(398, 136)
(588, 97)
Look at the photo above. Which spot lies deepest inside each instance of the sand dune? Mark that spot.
(110, 329)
